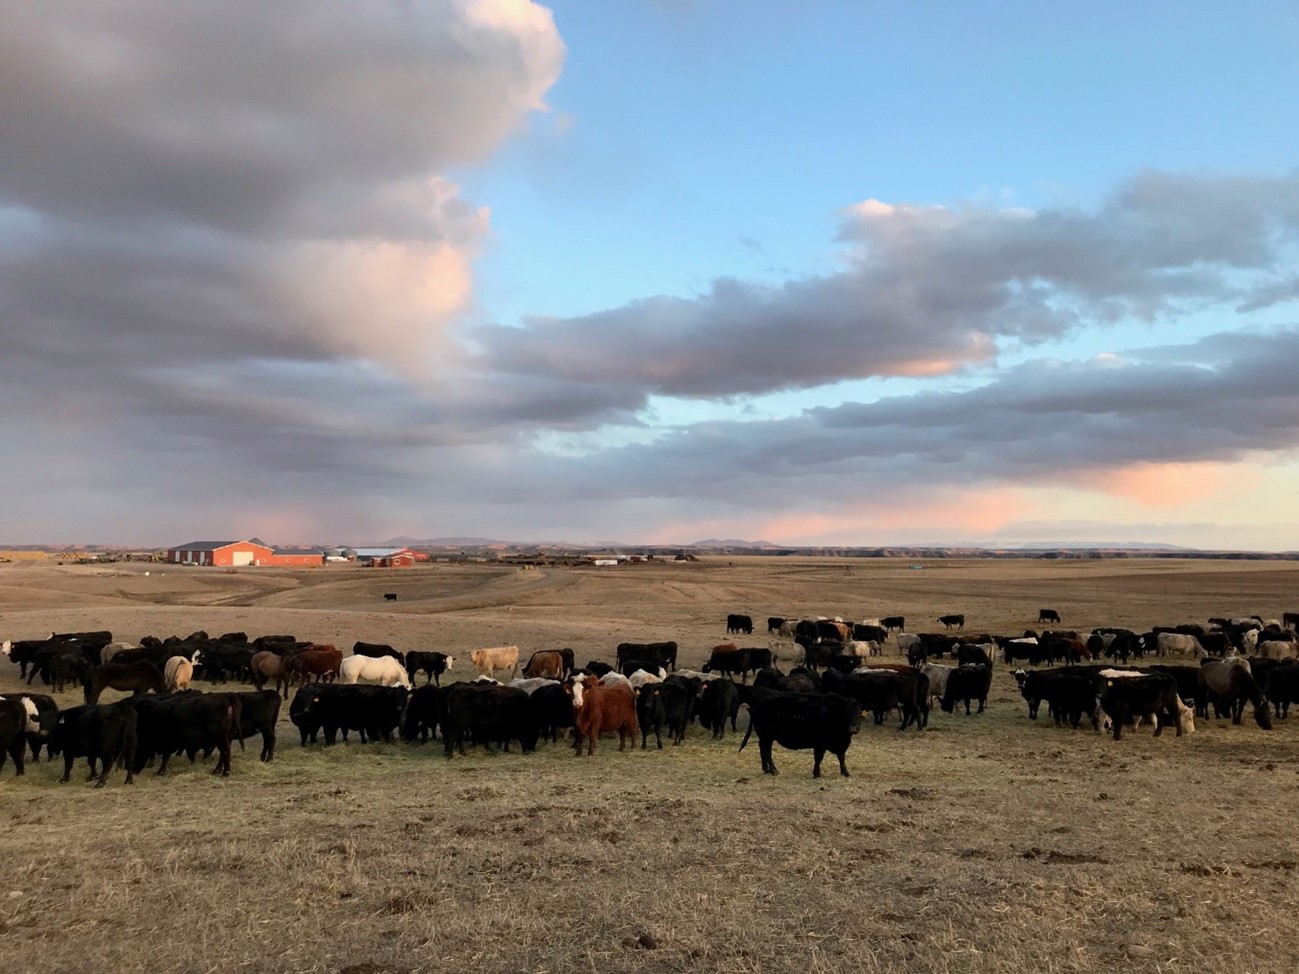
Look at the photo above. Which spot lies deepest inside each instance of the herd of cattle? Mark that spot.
(835, 680)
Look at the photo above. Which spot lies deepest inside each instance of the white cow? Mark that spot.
(864, 650)
(383, 670)
(1178, 644)
(642, 677)
(938, 675)
(1278, 649)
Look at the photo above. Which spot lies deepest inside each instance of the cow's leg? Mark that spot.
(768, 765)
(817, 753)
(843, 766)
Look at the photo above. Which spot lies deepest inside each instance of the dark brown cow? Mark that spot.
(138, 677)
(321, 661)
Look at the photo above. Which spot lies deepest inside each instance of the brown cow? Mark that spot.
(270, 666)
(597, 709)
(321, 661)
(545, 662)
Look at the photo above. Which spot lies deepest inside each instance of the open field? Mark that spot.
(988, 843)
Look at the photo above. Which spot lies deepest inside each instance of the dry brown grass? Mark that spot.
(987, 843)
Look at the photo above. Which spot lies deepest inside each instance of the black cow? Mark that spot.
(432, 664)
(373, 711)
(967, 683)
(1280, 683)
(258, 713)
(421, 717)
(68, 668)
(1070, 697)
(739, 623)
(305, 711)
(1126, 698)
(23, 652)
(597, 669)
(868, 633)
(799, 721)
(103, 733)
(894, 622)
(267, 643)
(957, 620)
(774, 623)
(719, 701)
(486, 714)
(663, 653)
(759, 657)
(91, 643)
(552, 710)
(728, 662)
(882, 691)
(390, 596)
(15, 724)
(189, 722)
(219, 662)
(660, 705)
(1048, 615)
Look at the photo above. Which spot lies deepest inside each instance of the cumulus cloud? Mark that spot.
(929, 290)
(198, 183)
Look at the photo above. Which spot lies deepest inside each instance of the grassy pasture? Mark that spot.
(988, 843)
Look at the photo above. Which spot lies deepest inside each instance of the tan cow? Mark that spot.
(178, 672)
(488, 661)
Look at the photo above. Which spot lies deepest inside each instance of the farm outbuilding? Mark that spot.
(297, 557)
(386, 557)
(221, 553)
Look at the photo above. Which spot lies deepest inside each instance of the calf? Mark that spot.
(949, 621)
(1048, 615)
(893, 622)
(774, 623)
(802, 721)
(432, 664)
(390, 596)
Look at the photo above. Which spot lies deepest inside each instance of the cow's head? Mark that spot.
(450, 662)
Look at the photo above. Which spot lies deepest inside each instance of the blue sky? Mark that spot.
(824, 273)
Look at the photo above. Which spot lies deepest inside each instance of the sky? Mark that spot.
(650, 271)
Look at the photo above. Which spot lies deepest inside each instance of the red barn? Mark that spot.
(297, 557)
(221, 553)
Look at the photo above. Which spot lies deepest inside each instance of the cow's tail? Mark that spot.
(748, 730)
